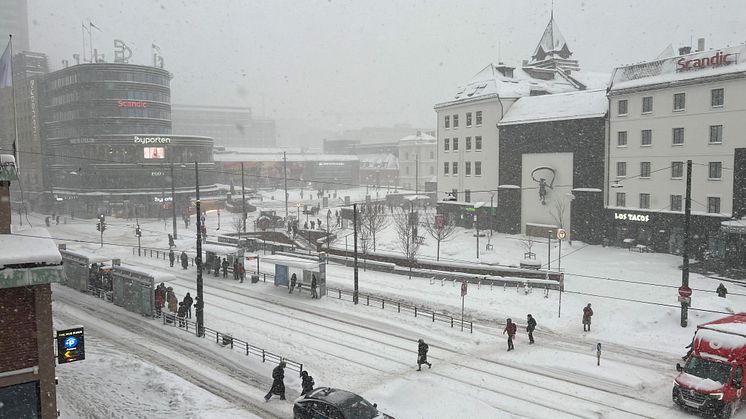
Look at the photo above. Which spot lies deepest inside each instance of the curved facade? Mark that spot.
(109, 143)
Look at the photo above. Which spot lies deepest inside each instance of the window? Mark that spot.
(468, 119)
(679, 101)
(717, 97)
(455, 144)
(407, 170)
(645, 169)
(479, 118)
(467, 195)
(446, 144)
(716, 134)
(468, 143)
(713, 205)
(677, 169)
(432, 170)
(621, 139)
(467, 168)
(647, 104)
(432, 155)
(621, 199)
(644, 200)
(447, 121)
(455, 121)
(477, 168)
(716, 170)
(621, 169)
(675, 202)
(455, 168)
(478, 143)
(445, 168)
(646, 137)
(622, 107)
(406, 155)
(678, 136)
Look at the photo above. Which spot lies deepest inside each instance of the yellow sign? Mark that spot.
(561, 234)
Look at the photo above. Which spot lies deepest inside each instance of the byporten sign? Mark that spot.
(70, 345)
(152, 140)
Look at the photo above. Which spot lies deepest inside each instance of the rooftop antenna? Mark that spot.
(499, 59)
(551, 12)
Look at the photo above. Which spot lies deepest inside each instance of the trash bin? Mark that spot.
(254, 278)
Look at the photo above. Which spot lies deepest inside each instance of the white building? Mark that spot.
(417, 161)
(467, 134)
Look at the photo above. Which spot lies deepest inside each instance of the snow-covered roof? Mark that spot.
(681, 68)
(418, 138)
(219, 250)
(157, 276)
(28, 247)
(563, 106)
(379, 161)
(552, 43)
(294, 262)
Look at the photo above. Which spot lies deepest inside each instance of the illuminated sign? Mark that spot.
(720, 58)
(152, 140)
(159, 199)
(70, 345)
(131, 104)
(82, 141)
(34, 113)
(631, 217)
(331, 163)
(154, 152)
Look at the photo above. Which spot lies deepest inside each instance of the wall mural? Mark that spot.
(545, 174)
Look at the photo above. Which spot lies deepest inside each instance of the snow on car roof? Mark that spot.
(721, 341)
(26, 247)
(735, 328)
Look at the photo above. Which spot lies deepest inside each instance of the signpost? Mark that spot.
(685, 294)
(561, 234)
(464, 286)
(70, 345)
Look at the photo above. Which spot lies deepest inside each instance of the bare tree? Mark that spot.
(364, 241)
(375, 220)
(558, 211)
(440, 231)
(527, 244)
(237, 224)
(409, 243)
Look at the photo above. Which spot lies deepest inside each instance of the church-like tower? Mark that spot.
(552, 51)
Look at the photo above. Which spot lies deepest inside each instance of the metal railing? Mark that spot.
(399, 306)
(226, 339)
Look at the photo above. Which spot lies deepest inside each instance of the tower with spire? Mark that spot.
(552, 52)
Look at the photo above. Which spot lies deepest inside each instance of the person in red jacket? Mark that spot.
(510, 329)
(587, 314)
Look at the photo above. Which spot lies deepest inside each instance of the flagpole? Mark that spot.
(13, 95)
(90, 35)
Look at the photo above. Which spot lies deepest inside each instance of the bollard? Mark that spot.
(479, 284)
(367, 300)
(454, 282)
(186, 322)
(247, 348)
(383, 303)
(433, 317)
(264, 356)
(300, 371)
(217, 337)
(471, 327)
(505, 286)
(443, 282)
(516, 288)
(398, 307)
(451, 322)
(340, 294)
(415, 311)
(492, 282)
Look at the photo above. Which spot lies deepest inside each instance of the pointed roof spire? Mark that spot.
(552, 48)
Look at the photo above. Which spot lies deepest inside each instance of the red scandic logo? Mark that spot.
(464, 285)
(685, 292)
(682, 64)
(131, 104)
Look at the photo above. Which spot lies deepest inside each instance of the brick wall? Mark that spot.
(18, 329)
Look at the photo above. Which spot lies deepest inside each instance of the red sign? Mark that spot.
(685, 292)
(439, 221)
(464, 285)
(682, 64)
(131, 104)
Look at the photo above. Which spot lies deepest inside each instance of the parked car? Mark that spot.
(332, 403)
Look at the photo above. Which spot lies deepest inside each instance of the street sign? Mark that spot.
(685, 292)
(70, 345)
(440, 221)
(687, 300)
(464, 285)
(561, 234)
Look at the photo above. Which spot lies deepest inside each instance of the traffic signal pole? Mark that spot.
(200, 296)
(685, 266)
(354, 229)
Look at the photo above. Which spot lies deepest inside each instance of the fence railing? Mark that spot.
(401, 307)
(226, 339)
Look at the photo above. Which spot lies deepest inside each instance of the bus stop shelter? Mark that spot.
(77, 267)
(213, 251)
(304, 269)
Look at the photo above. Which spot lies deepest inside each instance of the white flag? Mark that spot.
(6, 76)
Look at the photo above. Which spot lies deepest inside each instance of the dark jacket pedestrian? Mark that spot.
(278, 382)
(171, 240)
(181, 313)
(314, 283)
(422, 349)
(306, 383)
(530, 327)
(587, 314)
(57, 220)
(159, 302)
(225, 267)
(216, 266)
(235, 270)
(188, 303)
(293, 282)
(510, 329)
(241, 272)
(171, 257)
(184, 260)
(722, 291)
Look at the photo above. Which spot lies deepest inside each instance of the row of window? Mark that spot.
(467, 168)
(106, 113)
(406, 156)
(477, 119)
(110, 128)
(715, 171)
(94, 94)
(713, 203)
(717, 99)
(432, 170)
(646, 136)
(109, 75)
(477, 143)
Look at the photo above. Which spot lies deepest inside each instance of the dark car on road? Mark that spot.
(332, 403)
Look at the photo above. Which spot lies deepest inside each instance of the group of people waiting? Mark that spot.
(294, 283)
(166, 296)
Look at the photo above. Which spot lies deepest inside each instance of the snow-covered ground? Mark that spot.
(373, 351)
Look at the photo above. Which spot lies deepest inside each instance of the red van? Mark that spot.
(710, 382)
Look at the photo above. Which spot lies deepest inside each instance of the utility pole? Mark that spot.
(687, 216)
(549, 250)
(200, 295)
(354, 228)
(285, 171)
(243, 199)
(417, 174)
(173, 200)
(476, 227)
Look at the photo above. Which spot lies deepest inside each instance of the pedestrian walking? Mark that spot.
(188, 303)
(171, 240)
(530, 327)
(306, 383)
(235, 270)
(216, 267)
(278, 382)
(57, 220)
(225, 267)
(171, 257)
(184, 260)
(314, 293)
(422, 349)
(722, 291)
(293, 282)
(510, 329)
(181, 313)
(241, 272)
(587, 314)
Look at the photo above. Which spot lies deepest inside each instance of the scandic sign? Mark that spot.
(682, 64)
(131, 104)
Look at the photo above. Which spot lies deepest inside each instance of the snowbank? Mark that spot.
(32, 246)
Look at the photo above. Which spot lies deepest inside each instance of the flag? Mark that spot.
(6, 77)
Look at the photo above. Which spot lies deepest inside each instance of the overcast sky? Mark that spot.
(346, 64)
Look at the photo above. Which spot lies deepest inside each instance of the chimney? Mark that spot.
(7, 174)
(685, 50)
(525, 63)
(701, 44)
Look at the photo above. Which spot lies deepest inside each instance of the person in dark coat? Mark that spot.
(225, 267)
(57, 220)
(181, 313)
(306, 383)
(171, 257)
(216, 266)
(293, 282)
(159, 302)
(587, 314)
(314, 283)
(722, 291)
(422, 349)
(530, 327)
(278, 382)
(510, 329)
(184, 260)
(241, 272)
(188, 304)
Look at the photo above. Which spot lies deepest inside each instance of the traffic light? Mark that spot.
(138, 232)
(98, 226)
(103, 227)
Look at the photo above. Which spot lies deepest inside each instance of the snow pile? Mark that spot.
(32, 246)
(697, 383)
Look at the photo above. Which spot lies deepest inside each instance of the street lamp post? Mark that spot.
(685, 266)
(549, 250)
(200, 295)
(173, 200)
